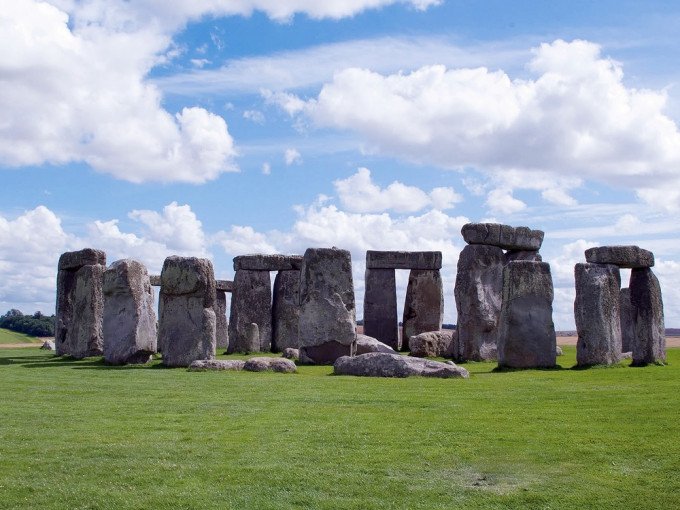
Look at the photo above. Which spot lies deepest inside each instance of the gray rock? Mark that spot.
(261, 262)
(129, 324)
(626, 355)
(187, 323)
(558, 351)
(596, 312)
(262, 364)
(251, 302)
(503, 236)
(252, 338)
(286, 311)
(74, 260)
(290, 353)
(403, 259)
(433, 344)
(217, 364)
(479, 294)
(380, 364)
(622, 256)
(366, 344)
(526, 330)
(224, 285)
(513, 255)
(424, 304)
(221, 325)
(627, 326)
(48, 345)
(649, 345)
(380, 306)
(155, 280)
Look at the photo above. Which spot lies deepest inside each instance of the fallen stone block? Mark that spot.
(380, 364)
(433, 344)
(366, 344)
(217, 364)
(263, 364)
(290, 353)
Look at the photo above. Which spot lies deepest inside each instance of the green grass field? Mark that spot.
(81, 434)
(11, 337)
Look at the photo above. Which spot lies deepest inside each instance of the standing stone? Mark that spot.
(251, 302)
(526, 330)
(221, 326)
(627, 326)
(286, 310)
(424, 304)
(129, 324)
(327, 311)
(649, 344)
(186, 330)
(80, 303)
(596, 312)
(380, 306)
(479, 293)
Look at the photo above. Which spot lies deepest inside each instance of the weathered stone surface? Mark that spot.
(526, 330)
(252, 338)
(224, 285)
(558, 351)
(596, 312)
(48, 345)
(286, 310)
(187, 323)
(626, 355)
(649, 344)
(129, 324)
(366, 344)
(627, 326)
(251, 302)
(155, 280)
(622, 256)
(424, 304)
(503, 236)
(217, 364)
(74, 260)
(327, 325)
(479, 293)
(380, 306)
(381, 364)
(221, 326)
(290, 353)
(262, 262)
(403, 259)
(262, 364)
(513, 255)
(433, 344)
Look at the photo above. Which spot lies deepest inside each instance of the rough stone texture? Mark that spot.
(479, 293)
(513, 255)
(290, 353)
(224, 285)
(252, 338)
(48, 345)
(649, 344)
(381, 364)
(281, 365)
(626, 355)
(129, 324)
(74, 260)
(503, 236)
(403, 259)
(251, 302)
(366, 344)
(221, 326)
(622, 256)
(526, 330)
(286, 310)
(187, 324)
(627, 326)
(217, 364)
(380, 306)
(424, 304)
(432, 344)
(558, 351)
(261, 262)
(155, 280)
(596, 312)
(327, 325)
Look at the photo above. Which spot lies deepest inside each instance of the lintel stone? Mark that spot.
(631, 257)
(428, 260)
(263, 262)
(503, 236)
(74, 260)
(224, 285)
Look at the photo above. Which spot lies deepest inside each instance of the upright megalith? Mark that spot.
(251, 302)
(380, 306)
(649, 342)
(596, 312)
(424, 304)
(221, 325)
(627, 326)
(129, 324)
(187, 323)
(526, 330)
(286, 310)
(80, 303)
(479, 293)
(327, 324)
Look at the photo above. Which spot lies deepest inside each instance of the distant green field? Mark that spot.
(10, 337)
(81, 434)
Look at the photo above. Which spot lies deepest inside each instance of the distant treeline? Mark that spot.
(34, 325)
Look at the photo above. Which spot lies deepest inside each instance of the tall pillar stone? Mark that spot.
(649, 344)
(286, 310)
(596, 312)
(424, 304)
(479, 293)
(221, 326)
(129, 324)
(526, 330)
(627, 326)
(251, 302)
(327, 323)
(380, 306)
(187, 323)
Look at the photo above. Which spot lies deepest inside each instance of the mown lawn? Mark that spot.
(11, 337)
(80, 434)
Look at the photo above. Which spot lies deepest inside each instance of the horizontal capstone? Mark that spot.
(403, 259)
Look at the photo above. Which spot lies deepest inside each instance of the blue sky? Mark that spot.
(223, 127)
